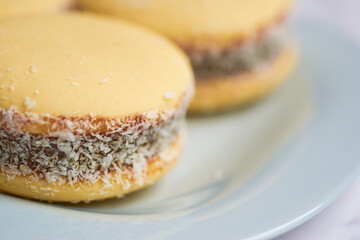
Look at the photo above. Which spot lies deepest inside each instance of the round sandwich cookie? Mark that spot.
(10, 8)
(239, 49)
(88, 113)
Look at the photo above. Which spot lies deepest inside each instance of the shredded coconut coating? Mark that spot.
(258, 51)
(85, 149)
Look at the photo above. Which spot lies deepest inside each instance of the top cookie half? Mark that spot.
(73, 66)
(194, 23)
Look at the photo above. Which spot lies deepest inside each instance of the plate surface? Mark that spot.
(253, 173)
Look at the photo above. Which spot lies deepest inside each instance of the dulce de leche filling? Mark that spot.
(86, 149)
(256, 52)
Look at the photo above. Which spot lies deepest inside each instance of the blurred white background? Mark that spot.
(340, 221)
(344, 14)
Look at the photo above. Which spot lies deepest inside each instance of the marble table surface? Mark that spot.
(341, 220)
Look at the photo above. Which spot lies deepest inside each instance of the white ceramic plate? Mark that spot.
(254, 173)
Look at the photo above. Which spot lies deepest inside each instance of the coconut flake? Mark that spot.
(32, 69)
(105, 80)
(29, 104)
(73, 77)
(168, 95)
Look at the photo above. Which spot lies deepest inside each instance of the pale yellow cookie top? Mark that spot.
(189, 21)
(28, 7)
(75, 65)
